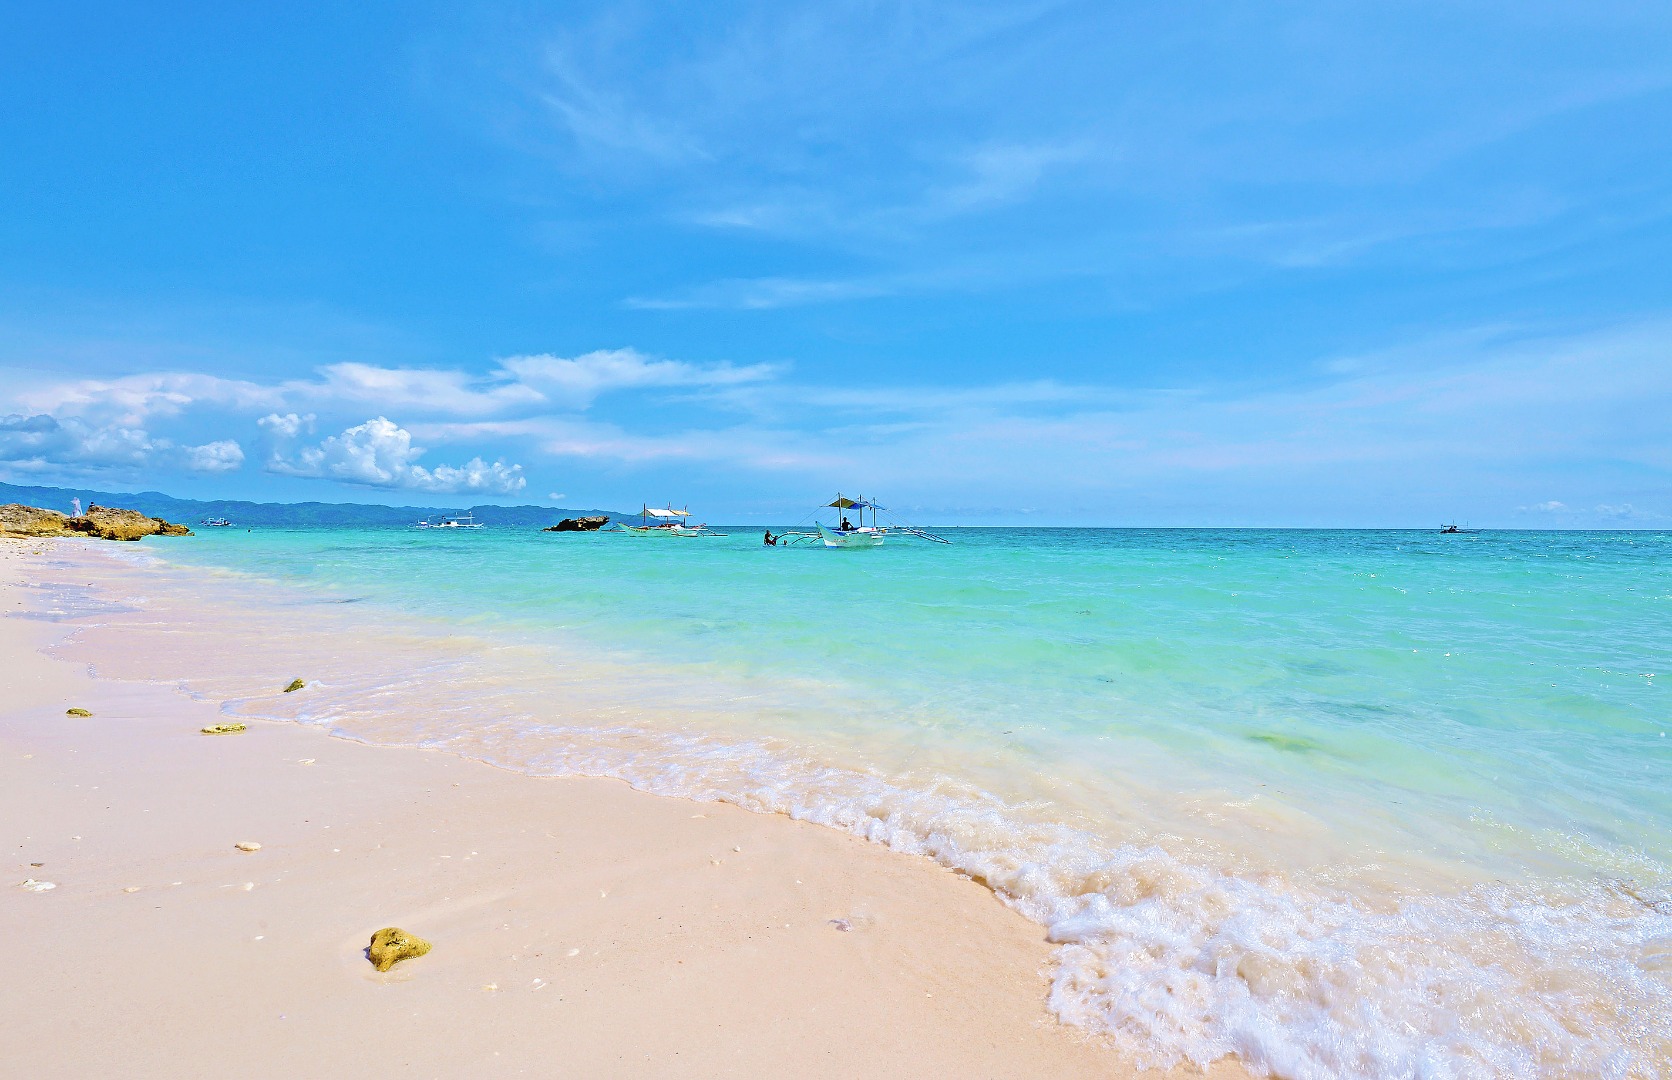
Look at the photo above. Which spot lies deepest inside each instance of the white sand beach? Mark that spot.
(579, 927)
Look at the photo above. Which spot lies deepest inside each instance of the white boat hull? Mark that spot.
(664, 530)
(852, 538)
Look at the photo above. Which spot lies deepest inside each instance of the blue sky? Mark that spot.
(1285, 264)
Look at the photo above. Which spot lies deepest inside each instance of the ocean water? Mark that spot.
(1343, 804)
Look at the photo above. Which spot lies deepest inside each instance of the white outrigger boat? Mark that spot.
(845, 534)
(451, 521)
(668, 522)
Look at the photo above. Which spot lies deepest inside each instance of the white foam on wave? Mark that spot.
(1179, 961)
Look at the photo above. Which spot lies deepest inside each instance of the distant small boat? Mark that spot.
(668, 522)
(216, 523)
(451, 521)
(1453, 530)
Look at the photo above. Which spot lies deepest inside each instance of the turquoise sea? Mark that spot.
(1341, 803)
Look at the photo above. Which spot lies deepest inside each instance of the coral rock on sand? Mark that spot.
(224, 729)
(247, 845)
(104, 522)
(391, 945)
(295, 685)
(581, 524)
(77, 712)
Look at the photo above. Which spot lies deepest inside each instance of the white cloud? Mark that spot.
(288, 425)
(442, 390)
(379, 453)
(40, 443)
(578, 381)
(224, 455)
(132, 400)
(1551, 507)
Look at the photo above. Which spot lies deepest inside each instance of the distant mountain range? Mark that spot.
(190, 511)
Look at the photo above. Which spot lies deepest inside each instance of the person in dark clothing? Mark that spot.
(771, 541)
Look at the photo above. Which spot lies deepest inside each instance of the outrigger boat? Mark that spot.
(668, 522)
(845, 534)
(451, 521)
(216, 522)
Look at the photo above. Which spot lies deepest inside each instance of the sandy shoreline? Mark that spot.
(580, 927)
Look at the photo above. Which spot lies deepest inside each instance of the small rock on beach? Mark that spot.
(391, 945)
(224, 729)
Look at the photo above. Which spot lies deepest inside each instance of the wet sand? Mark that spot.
(580, 928)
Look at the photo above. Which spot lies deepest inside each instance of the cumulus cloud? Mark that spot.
(288, 425)
(40, 442)
(224, 455)
(37, 441)
(379, 453)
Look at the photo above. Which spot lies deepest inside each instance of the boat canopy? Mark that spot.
(844, 503)
(667, 513)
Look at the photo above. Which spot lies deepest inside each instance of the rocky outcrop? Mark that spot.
(391, 945)
(580, 524)
(104, 522)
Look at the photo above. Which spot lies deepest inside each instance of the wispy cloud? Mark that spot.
(760, 294)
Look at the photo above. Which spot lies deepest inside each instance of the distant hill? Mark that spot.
(190, 511)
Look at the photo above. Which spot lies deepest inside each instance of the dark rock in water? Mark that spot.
(295, 685)
(580, 524)
(391, 945)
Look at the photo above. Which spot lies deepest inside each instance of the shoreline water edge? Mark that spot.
(1197, 912)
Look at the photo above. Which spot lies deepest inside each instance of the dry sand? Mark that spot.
(580, 928)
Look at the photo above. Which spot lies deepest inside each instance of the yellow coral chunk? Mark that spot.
(224, 729)
(295, 685)
(77, 712)
(391, 945)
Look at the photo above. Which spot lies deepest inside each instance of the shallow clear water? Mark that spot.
(1342, 803)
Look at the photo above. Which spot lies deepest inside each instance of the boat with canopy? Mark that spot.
(465, 520)
(845, 533)
(665, 522)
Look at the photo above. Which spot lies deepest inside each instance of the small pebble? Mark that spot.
(131, 888)
(842, 925)
(247, 845)
(37, 886)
